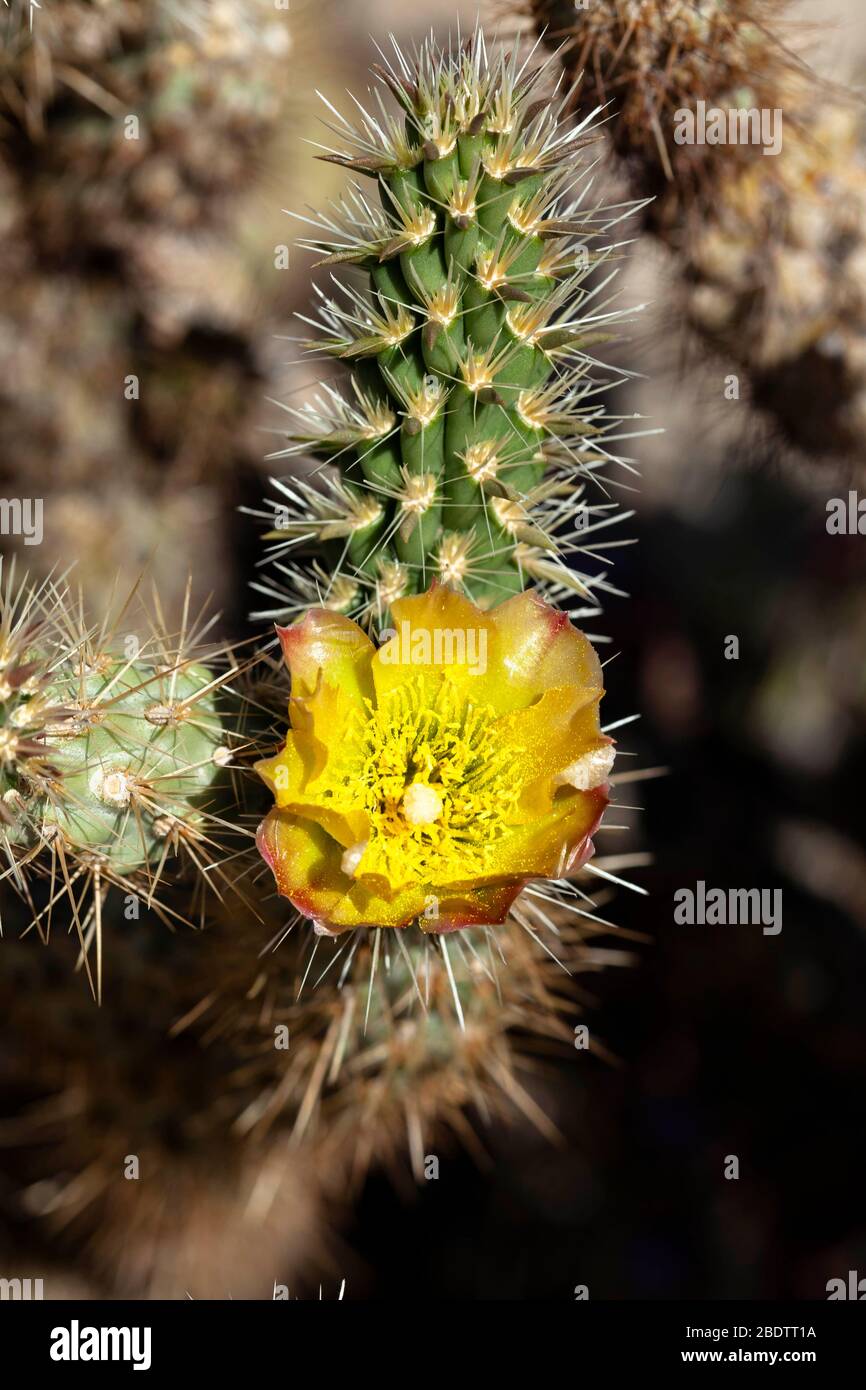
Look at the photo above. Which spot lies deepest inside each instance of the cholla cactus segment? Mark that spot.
(394, 1036)
(468, 322)
(133, 747)
(770, 249)
(433, 778)
(113, 747)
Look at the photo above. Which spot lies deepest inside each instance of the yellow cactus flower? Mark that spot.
(434, 777)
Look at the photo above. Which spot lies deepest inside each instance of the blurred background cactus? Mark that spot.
(145, 150)
(767, 236)
(114, 1162)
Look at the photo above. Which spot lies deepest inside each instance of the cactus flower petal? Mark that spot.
(432, 779)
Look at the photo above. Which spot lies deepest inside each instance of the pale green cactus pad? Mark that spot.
(115, 754)
(135, 759)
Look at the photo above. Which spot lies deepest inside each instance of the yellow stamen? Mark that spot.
(434, 780)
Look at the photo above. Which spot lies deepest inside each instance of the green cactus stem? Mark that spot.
(473, 422)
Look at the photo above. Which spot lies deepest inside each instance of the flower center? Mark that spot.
(435, 781)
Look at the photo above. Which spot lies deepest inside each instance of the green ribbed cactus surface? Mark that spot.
(466, 310)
